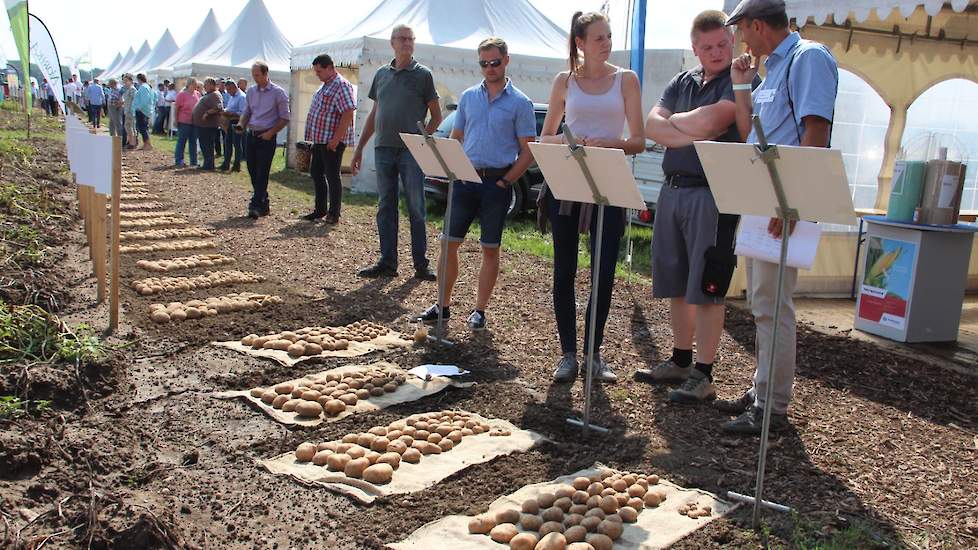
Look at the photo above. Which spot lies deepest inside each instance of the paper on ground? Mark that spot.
(753, 241)
(656, 527)
(412, 389)
(410, 478)
(424, 371)
(390, 341)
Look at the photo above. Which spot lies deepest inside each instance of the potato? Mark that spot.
(552, 541)
(397, 446)
(636, 491)
(614, 517)
(622, 499)
(356, 451)
(312, 348)
(580, 497)
(581, 483)
(503, 533)
(612, 529)
(285, 387)
(580, 509)
(546, 500)
(356, 467)
(455, 436)
(390, 387)
(481, 525)
(523, 541)
(509, 515)
(595, 488)
(380, 444)
(310, 395)
(553, 514)
(281, 400)
(635, 503)
(575, 533)
(305, 451)
(593, 502)
(530, 506)
(160, 317)
(652, 499)
(319, 459)
(591, 523)
(256, 392)
(309, 409)
(434, 438)
(595, 513)
(600, 541)
(619, 486)
(379, 473)
(362, 394)
(446, 444)
(564, 491)
(432, 449)
(608, 491)
(530, 522)
(564, 503)
(268, 397)
(609, 504)
(334, 407)
(551, 527)
(652, 480)
(376, 392)
(412, 456)
(394, 459)
(628, 514)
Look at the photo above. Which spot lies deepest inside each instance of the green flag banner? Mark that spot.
(17, 11)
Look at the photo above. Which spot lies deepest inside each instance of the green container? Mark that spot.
(908, 187)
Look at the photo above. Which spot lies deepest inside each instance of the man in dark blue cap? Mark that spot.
(796, 105)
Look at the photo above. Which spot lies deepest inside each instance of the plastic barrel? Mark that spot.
(907, 190)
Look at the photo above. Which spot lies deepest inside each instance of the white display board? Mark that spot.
(609, 168)
(89, 156)
(451, 151)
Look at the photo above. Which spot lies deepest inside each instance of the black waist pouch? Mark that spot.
(721, 261)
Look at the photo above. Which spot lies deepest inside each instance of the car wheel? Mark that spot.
(517, 200)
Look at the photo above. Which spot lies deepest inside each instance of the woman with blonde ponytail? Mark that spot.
(598, 99)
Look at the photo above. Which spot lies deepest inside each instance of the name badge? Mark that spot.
(764, 96)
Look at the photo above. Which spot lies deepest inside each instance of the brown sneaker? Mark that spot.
(666, 371)
(698, 387)
(736, 406)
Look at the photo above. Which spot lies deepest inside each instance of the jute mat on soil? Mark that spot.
(656, 527)
(411, 390)
(410, 478)
(388, 342)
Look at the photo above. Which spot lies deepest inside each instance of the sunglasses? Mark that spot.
(493, 63)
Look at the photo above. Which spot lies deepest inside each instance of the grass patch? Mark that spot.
(12, 407)
(32, 334)
(807, 535)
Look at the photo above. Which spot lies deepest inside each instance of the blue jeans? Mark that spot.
(207, 137)
(393, 163)
(485, 200)
(142, 125)
(232, 142)
(186, 135)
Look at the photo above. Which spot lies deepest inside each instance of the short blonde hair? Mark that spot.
(494, 42)
(400, 27)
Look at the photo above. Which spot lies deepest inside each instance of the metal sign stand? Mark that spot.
(439, 337)
(769, 155)
(579, 154)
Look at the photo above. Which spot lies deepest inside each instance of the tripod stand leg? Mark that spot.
(592, 322)
(769, 390)
(443, 269)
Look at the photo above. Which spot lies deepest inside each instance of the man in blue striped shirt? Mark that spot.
(235, 105)
(495, 123)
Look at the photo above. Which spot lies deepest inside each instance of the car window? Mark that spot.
(445, 128)
(541, 116)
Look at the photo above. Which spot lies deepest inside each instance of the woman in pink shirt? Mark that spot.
(186, 132)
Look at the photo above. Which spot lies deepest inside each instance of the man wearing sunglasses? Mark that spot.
(495, 123)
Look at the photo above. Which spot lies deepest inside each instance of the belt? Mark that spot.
(258, 132)
(486, 173)
(680, 180)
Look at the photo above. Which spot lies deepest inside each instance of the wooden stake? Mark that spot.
(99, 222)
(116, 215)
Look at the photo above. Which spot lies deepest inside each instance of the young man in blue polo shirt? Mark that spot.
(796, 105)
(495, 123)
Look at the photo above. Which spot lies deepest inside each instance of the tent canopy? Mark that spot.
(456, 24)
(165, 47)
(141, 56)
(205, 35)
(115, 61)
(252, 36)
(113, 68)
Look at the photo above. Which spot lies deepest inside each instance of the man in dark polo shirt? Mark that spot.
(692, 244)
(403, 93)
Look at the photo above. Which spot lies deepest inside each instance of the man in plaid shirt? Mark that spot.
(329, 128)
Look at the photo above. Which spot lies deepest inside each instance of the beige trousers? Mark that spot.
(763, 285)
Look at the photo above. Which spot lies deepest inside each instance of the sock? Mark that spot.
(705, 368)
(682, 357)
(481, 312)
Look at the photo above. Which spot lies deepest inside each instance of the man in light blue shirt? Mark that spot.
(235, 104)
(796, 105)
(144, 104)
(495, 123)
(96, 99)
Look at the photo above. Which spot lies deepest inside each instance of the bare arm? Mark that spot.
(346, 119)
(368, 130)
(659, 129)
(458, 135)
(706, 122)
(555, 111)
(742, 71)
(817, 132)
(435, 109)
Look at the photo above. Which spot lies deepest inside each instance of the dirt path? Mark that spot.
(876, 439)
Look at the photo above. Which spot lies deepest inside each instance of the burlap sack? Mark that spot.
(409, 478)
(389, 342)
(412, 390)
(656, 527)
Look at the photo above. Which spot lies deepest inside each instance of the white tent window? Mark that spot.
(859, 131)
(950, 108)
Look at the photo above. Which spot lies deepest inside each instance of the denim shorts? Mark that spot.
(487, 201)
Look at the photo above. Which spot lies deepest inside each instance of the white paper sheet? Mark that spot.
(424, 371)
(753, 241)
(450, 149)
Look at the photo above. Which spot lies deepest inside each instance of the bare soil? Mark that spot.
(146, 458)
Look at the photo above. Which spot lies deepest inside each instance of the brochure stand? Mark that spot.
(441, 158)
(738, 184)
(595, 176)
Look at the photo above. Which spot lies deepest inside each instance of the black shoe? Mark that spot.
(224, 168)
(264, 210)
(425, 274)
(253, 213)
(749, 423)
(377, 270)
(313, 216)
(430, 315)
(736, 406)
(477, 321)
(236, 168)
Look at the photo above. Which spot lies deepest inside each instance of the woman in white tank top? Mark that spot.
(599, 100)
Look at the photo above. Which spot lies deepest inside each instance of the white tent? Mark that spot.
(165, 47)
(252, 36)
(205, 35)
(447, 33)
(118, 58)
(141, 56)
(112, 70)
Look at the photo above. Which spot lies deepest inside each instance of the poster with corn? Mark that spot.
(887, 281)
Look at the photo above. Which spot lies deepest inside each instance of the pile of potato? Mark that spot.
(186, 262)
(152, 222)
(152, 205)
(163, 234)
(140, 215)
(195, 309)
(373, 456)
(210, 279)
(330, 394)
(590, 513)
(170, 246)
(135, 196)
(297, 343)
(695, 510)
